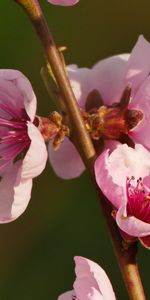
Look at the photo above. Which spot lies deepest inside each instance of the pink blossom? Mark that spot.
(123, 175)
(91, 282)
(63, 2)
(23, 152)
(109, 77)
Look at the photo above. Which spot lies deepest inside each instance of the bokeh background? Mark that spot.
(63, 217)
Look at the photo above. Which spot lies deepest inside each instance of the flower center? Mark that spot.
(138, 196)
(14, 138)
(110, 122)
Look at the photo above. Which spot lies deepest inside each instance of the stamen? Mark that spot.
(14, 137)
(138, 199)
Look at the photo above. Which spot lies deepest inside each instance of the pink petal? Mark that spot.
(67, 296)
(141, 101)
(10, 74)
(138, 66)
(80, 83)
(10, 95)
(112, 170)
(30, 103)
(15, 194)
(107, 76)
(19, 89)
(4, 165)
(91, 282)
(113, 191)
(36, 157)
(66, 161)
(63, 2)
(145, 241)
(131, 225)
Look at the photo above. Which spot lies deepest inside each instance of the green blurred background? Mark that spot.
(63, 218)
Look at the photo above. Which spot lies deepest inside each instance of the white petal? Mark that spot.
(36, 157)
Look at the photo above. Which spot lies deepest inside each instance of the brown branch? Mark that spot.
(126, 258)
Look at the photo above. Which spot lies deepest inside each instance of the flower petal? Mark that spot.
(66, 161)
(67, 296)
(11, 97)
(107, 76)
(125, 162)
(19, 89)
(112, 170)
(141, 101)
(80, 83)
(36, 157)
(10, 74)
(138, 66)
(15, 194)
(114, 192)
(131, 225)
(63, 2)
(145, 241)
(91, 282)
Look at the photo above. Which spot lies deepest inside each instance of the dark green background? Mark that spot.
(63, 218)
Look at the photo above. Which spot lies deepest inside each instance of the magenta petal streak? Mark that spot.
(13, 133)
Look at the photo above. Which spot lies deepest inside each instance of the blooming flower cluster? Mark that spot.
(91, 282)
(122, 171)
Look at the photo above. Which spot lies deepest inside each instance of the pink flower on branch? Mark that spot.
(123, 175)
(23, 152)
(63, 2)
(91, 282)
(105, 84)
